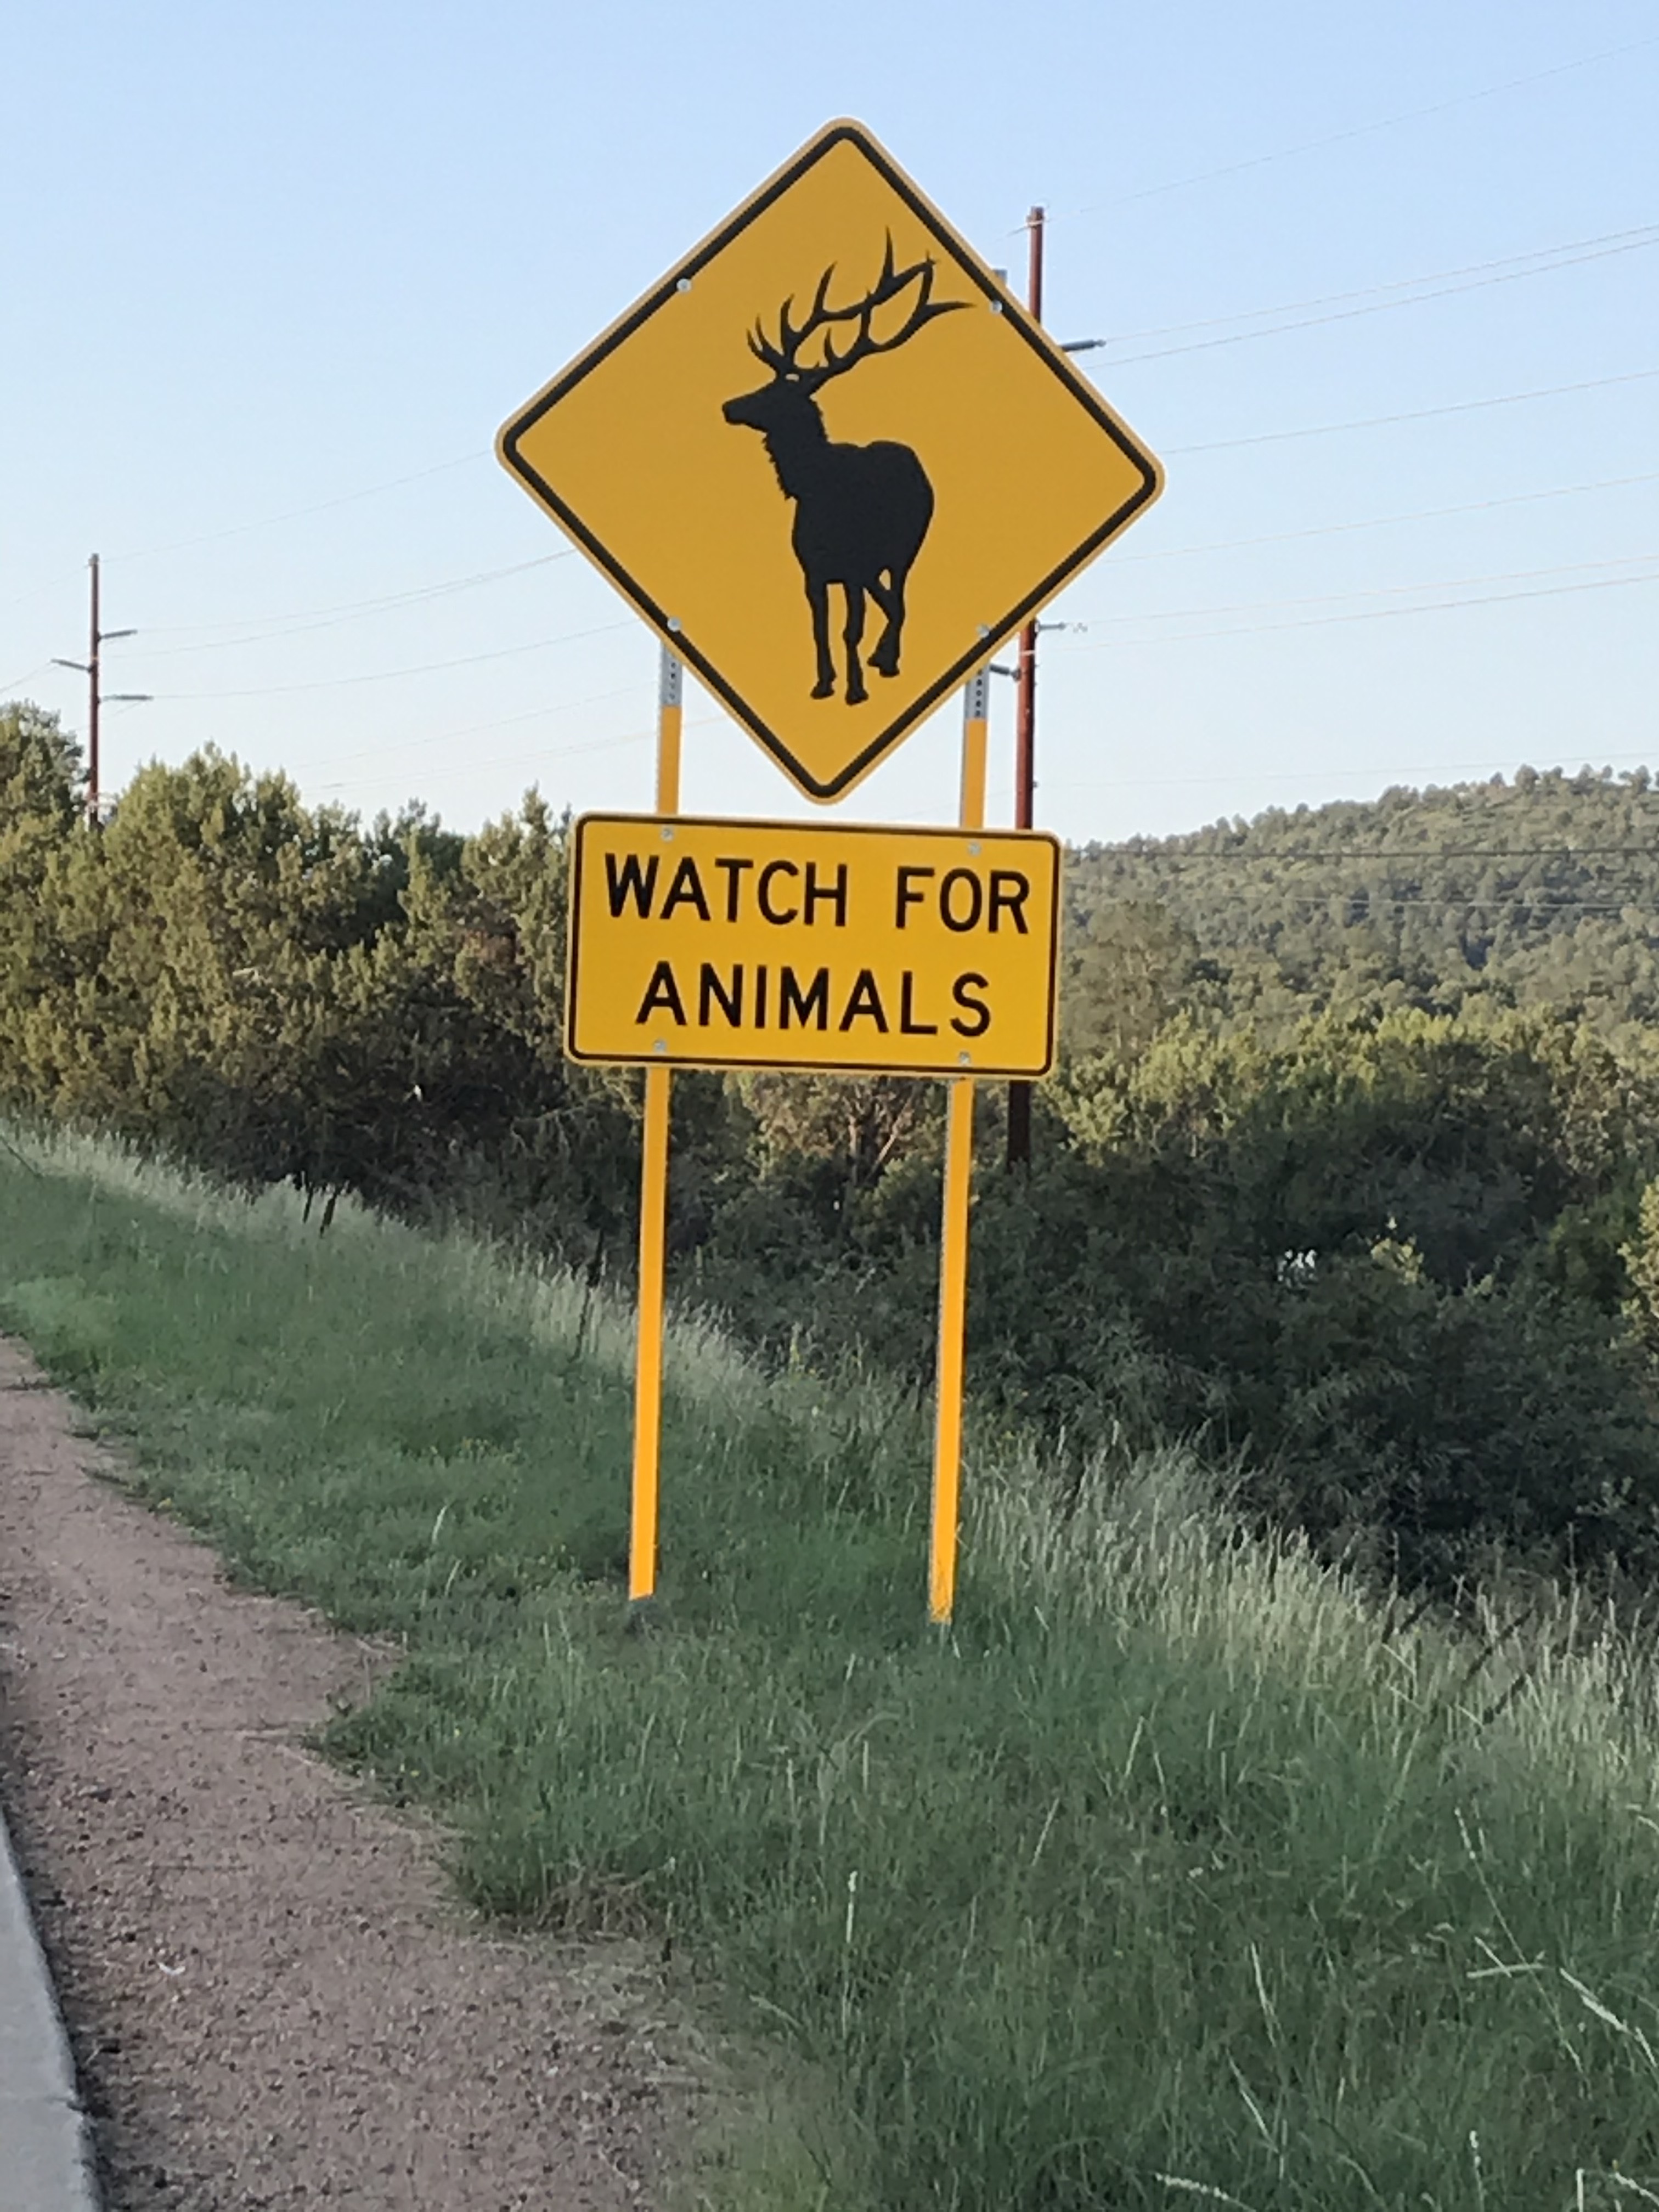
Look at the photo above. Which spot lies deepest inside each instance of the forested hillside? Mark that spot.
(1542, 891)
(1350, 1174)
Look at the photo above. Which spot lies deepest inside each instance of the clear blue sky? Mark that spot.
(274, 276)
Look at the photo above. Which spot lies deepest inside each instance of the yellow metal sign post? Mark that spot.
(653, 1209)
(831, 460)
(953, 1238)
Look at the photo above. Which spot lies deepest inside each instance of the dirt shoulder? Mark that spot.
(272, 1999)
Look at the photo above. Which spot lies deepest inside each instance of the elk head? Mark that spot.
(787, 402)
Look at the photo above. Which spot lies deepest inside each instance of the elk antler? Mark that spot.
(783, 359)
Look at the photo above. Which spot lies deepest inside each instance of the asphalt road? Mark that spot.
(46, 2162)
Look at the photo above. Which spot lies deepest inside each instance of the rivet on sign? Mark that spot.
(667, 836)
(973, 852)
(684, 284)
(660, 1045)
(674, 623)
(963, 1059)
(996, 306)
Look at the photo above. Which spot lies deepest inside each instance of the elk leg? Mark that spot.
(818, 597)
(891, 600)
(850, 637)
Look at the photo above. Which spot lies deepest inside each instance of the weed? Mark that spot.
(1176, 1873)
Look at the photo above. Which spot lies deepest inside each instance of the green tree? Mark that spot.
(40, 795)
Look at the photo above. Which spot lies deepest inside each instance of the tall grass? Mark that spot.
(1176, 1873)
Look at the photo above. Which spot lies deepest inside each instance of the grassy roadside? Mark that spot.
(1170, 1878)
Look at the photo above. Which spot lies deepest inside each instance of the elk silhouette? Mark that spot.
(861, 512)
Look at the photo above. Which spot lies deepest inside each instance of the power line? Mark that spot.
(270, 521)
(1410, 853)
(549, 753)
(1174, 614)
(1374, 613)
(263, 629)
(1362, 591)
(552, 752)
(1642, 233)
(1362, 130)
(1223, 445)
(600, 744)
(1420, 414)
(9, 690)
(1384, 522)
(332, 617)
(1229, 169)
(390, 675)
(1548, 906)
(1376, 306)
(1301, 775)
(1364, 614)
(498, 722)
(299, 513)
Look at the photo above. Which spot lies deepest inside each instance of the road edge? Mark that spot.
(48, 2162)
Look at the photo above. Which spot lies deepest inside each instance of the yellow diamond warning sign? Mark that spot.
(831, 460)
(783, 944)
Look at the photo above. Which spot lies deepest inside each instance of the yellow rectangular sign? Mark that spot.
(717, 944)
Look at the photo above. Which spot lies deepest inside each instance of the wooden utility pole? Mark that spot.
(89, 668)
(1019, 1094)
(94, 701)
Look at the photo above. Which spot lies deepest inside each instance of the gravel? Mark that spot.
(273, 1999)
